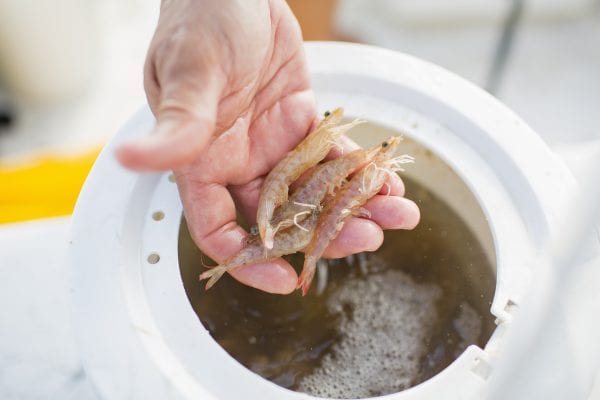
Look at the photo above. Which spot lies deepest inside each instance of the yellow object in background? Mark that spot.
(47, 186)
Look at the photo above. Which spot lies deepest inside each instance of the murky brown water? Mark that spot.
(385, 321)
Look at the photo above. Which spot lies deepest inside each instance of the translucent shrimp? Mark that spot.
(307, 154)
(324, 179)
(285, 242)
(349, 201)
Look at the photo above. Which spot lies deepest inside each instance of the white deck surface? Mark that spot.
(38, 355)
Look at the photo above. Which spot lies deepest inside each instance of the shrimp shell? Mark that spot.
(285, 242)
(348, 201)
(307, 154)
(324, 179)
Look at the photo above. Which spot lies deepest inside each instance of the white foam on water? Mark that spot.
(385, 320)
(467, 325)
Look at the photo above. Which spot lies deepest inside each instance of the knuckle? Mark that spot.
(171, 107)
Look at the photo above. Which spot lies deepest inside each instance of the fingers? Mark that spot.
(359, 234)
(393, 212)
(184, 97)
(151, 83)
(276, 276)
(176, 141)
(210, 213)
(393, 186)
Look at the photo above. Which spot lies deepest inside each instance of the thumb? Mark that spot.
(185, 123)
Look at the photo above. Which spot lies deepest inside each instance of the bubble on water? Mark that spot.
(383, 337)
(467, 325)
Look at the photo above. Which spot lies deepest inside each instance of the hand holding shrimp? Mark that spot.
(232, 96)
(305, 203)
(376, 166)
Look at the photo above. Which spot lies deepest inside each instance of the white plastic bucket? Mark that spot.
(140, 337)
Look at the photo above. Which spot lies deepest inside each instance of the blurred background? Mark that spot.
(71, 74)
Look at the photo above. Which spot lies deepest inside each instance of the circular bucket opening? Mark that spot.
(489, 190)
(374, 323)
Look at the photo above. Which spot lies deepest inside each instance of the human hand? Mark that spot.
(229, 86)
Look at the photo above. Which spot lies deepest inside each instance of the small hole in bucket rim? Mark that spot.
(158, 215)
(153, 258)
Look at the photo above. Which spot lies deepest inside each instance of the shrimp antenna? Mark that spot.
(271, 234)
(203, 263)
(339, 130)
(296, 220)
(396, 162)
(312, 206)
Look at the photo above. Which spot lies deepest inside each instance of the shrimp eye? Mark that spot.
(327, 113)
(385, 144)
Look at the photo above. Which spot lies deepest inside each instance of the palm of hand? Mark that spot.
(229, 106)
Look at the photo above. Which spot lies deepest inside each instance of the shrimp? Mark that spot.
(285, 242)
(307, 154)
(348, 201)
(324, 179)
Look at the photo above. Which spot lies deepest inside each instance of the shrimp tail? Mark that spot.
(213, 275)
(307, 275)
